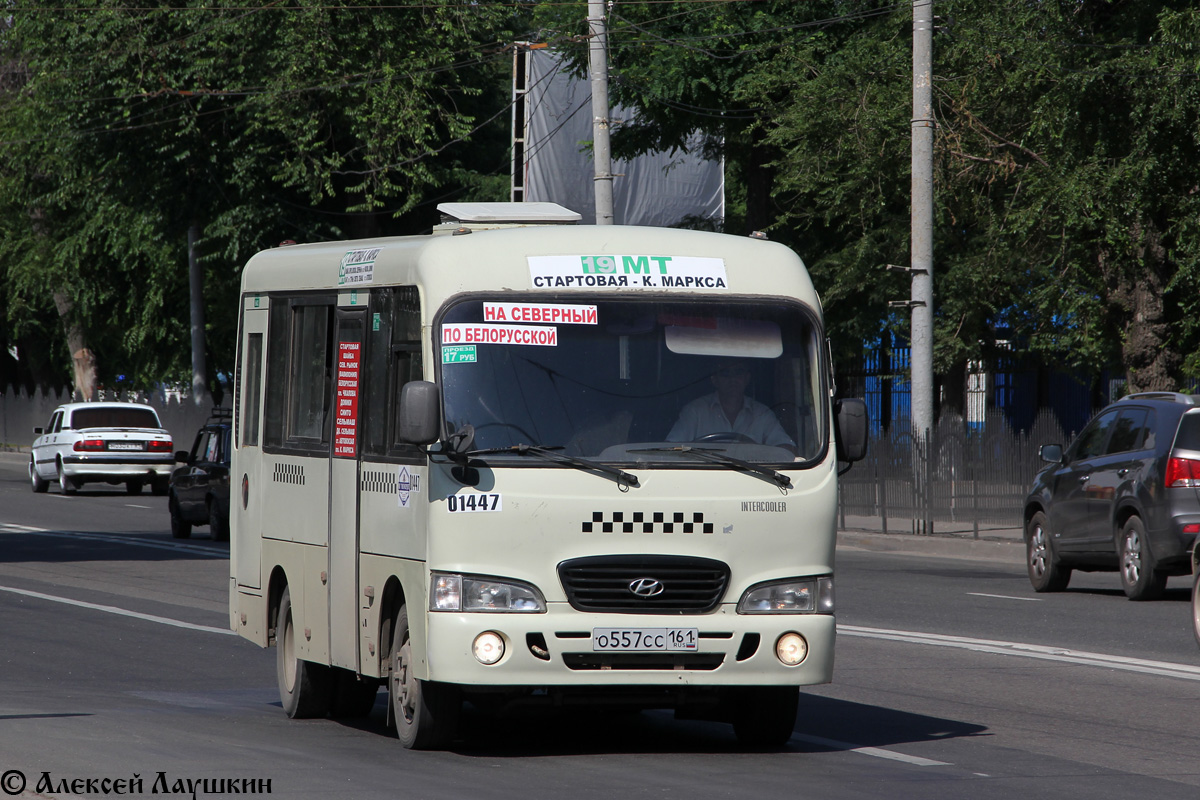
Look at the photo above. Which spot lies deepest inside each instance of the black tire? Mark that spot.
(353, 696)
(426, 712)
(304, 687)
(159, 486)
(1196, 606)
(1140, 579)
(179, 528)
(65, 484)
(1045, 573)
(765, 716)
(37, 482)
(218, 524)
(133, 487)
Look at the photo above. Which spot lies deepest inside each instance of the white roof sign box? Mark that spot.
(527, 213)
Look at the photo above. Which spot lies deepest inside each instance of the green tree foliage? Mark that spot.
(122, 127)
(1065, 174)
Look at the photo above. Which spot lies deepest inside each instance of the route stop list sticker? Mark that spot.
(345, 442)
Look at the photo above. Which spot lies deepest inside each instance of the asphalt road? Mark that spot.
(953, 680)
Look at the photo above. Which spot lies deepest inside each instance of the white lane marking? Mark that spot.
(1061, 654)
(135, 505)
(877, 752)
(7, 527)
(1006, 597)
(120, 611)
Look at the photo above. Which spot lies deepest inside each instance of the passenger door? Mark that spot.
(1113, 473)
(43, 451)
(343, 483)
(247, 477)
(185, 478)
(1070, 506)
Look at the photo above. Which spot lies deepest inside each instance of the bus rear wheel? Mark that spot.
(304, 687)
(426, 712)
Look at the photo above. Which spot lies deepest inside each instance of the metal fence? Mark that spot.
(958, 477)
(21, 412)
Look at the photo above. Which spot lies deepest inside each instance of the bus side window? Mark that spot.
(311, 374)
(279, 337)
(394, 358)
(253, 393)
(406, 356)
(299, 372)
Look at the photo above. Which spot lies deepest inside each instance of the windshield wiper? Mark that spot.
(717, 457)
(619, 475)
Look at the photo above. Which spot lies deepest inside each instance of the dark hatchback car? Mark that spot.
(199, 488)
(1124, 496)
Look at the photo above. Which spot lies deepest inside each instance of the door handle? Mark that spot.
(1084, 478)
(1121, 473)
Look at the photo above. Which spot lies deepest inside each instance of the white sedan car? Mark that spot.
(102, 442)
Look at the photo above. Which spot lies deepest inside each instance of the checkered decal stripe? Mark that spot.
(384, 482)
(289, 473)
(642, 522)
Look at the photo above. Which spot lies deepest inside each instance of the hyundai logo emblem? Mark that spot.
(646, 587)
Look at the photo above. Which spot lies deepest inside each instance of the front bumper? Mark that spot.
(734, 650)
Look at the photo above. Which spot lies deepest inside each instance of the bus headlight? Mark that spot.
(792, 596)
(478, 593)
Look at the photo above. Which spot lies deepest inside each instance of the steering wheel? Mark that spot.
(726, 436)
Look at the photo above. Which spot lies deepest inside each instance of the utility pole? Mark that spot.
(196, 286)
(921, 263)
(598, 71)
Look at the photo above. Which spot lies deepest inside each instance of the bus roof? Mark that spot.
(551, 259)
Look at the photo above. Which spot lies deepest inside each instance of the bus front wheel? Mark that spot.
(304, 687)
(765, 716)
(426, 712)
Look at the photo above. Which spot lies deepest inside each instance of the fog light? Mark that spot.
(488, 647)
(791, 649)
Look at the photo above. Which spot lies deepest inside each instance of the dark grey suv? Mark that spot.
(1124, 496)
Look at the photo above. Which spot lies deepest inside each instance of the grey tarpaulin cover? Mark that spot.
(658, 189)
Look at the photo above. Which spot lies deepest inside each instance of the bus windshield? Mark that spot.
(637, 382)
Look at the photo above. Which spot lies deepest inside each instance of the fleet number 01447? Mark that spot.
(644, 639)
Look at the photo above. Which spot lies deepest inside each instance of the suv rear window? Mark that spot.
(114, 418)
(1188, 437)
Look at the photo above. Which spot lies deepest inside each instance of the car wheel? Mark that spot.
(426, 712)
(218, 524)
(1045, 573)
(1139, 578)
(133, 487)
(765, 716)
(37, 482)
(179, 528)
(65, 484)
(1196, 607)
(303, 686)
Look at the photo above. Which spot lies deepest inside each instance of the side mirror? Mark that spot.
(181, 456)
(420, 412)
(1052, 453)
(850, 419)
(38, 431)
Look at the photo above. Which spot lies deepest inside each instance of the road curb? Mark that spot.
(943, 546)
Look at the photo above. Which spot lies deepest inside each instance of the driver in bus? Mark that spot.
(729, 414)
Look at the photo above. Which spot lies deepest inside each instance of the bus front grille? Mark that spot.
(636, 584)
